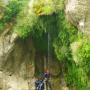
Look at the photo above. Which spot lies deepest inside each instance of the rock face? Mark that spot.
(6, 46)
(16, 63)
(78, 12)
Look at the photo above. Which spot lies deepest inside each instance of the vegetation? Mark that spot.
(10, 12)
(49, 18)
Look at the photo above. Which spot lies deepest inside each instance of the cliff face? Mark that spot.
(16, 63)
(79, 14)
(19, 59)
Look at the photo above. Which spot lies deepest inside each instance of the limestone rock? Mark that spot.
(16, 63)
(78, 12)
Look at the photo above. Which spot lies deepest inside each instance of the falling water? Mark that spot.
(48, 48)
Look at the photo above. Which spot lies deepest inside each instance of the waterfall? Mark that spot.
(48, 48)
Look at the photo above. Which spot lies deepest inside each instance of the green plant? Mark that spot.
(11, 10)
(83, 55)
(77, 77)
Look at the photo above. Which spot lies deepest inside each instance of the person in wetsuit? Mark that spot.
(39, 84)
(47, 78)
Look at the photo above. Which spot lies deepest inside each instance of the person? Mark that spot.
(47, 78)
(47, 75)
(39, 84)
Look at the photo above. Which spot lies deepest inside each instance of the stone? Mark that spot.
(78, 12)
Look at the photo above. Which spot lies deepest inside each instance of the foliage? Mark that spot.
(83, 55)
(10, 12)
(81, 67)
(76, 77)
(67, 33)
(47, 7)
(41, 30)
(25, 24)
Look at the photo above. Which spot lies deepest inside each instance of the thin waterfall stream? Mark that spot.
(48, 48)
